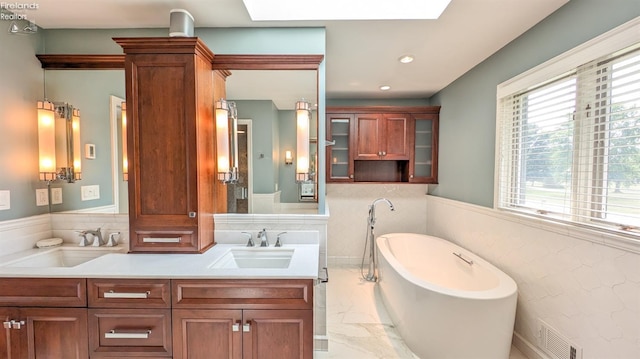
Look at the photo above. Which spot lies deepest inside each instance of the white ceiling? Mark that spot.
(360, 55)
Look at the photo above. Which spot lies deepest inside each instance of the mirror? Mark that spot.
(265, 99)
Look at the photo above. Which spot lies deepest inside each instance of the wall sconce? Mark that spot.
(125, 157)
(288, 157)
(59, 142)
(47, 141)
(227, 141)
(303, 115)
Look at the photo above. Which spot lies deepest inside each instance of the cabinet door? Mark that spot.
(424, 158)
(368, 132)
(207, 334)
(278, 334)
(42, 333)
(13, 343)
(340, 158)
(394, 142)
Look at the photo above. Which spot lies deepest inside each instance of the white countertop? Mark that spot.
(303, 265)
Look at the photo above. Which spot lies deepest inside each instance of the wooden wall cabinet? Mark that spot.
(170, 90)
(382, 136)
(384, 144)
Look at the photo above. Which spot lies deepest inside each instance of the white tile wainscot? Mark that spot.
(586, 290)
(275, 223)
(17, 235)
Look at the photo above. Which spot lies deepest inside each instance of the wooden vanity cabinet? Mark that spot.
(171, 89)
(129, 318)
(43, 318)
(265, 319)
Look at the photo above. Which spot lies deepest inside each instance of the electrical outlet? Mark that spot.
(42, 197)
(5, 200)
(56, 195)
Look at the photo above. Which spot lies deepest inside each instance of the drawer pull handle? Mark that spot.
(112, 334)
(112, 294)
(161, 240)
(246, 327)
(235, 327)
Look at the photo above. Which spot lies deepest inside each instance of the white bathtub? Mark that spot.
(443, 306)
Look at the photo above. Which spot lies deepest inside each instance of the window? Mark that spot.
(569, 147)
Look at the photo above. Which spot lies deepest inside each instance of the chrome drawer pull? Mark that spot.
(112, 294)
(112, 334)
(16, 324)
(6, 325)
(246, 327)
(235, 327)
(160, 240)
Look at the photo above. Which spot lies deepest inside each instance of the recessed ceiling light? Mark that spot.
(291, 10)
(405, 59)
(385, 88)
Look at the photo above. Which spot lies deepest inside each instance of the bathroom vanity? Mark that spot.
(164, 305)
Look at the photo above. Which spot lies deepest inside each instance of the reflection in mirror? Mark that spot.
(266, 101)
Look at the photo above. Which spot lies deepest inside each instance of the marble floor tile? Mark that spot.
(358, 324)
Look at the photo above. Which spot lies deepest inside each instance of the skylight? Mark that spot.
(292, 10)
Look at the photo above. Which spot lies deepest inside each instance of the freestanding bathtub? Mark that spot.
(445, 302)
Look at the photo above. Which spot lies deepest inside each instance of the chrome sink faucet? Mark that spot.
(97, 237)
(250, 242)
(262, 235)
(278, 242)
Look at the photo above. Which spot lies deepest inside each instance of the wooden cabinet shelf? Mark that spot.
(383, 144)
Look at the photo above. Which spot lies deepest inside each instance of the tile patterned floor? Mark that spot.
(358, 324)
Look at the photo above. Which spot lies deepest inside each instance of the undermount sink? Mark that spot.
(61, 257)
(255, 257)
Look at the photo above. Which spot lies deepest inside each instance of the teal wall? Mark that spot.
(265, 144)
(23, 85)
(468, 113)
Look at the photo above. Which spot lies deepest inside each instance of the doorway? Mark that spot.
(239, 194)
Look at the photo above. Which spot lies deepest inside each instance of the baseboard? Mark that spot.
(321, 343)
(527, 348)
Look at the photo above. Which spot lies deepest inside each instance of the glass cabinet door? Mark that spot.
(339, 156)
(424, 162)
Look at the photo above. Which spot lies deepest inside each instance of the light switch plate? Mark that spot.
(5, 200)
(56, 195)
(42, 197)
(88, 193)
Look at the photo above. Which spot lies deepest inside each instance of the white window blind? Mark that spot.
(569, 147)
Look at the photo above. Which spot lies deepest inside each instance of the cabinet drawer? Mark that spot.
(179, 241)
(130, 332)
(43, 292)
(243, 294)
(129, 293)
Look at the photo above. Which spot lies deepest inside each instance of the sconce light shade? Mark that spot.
(303, 115)
(222, 136)
(46, 141)
(77, 154)
(288, 157)
(125, 156)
